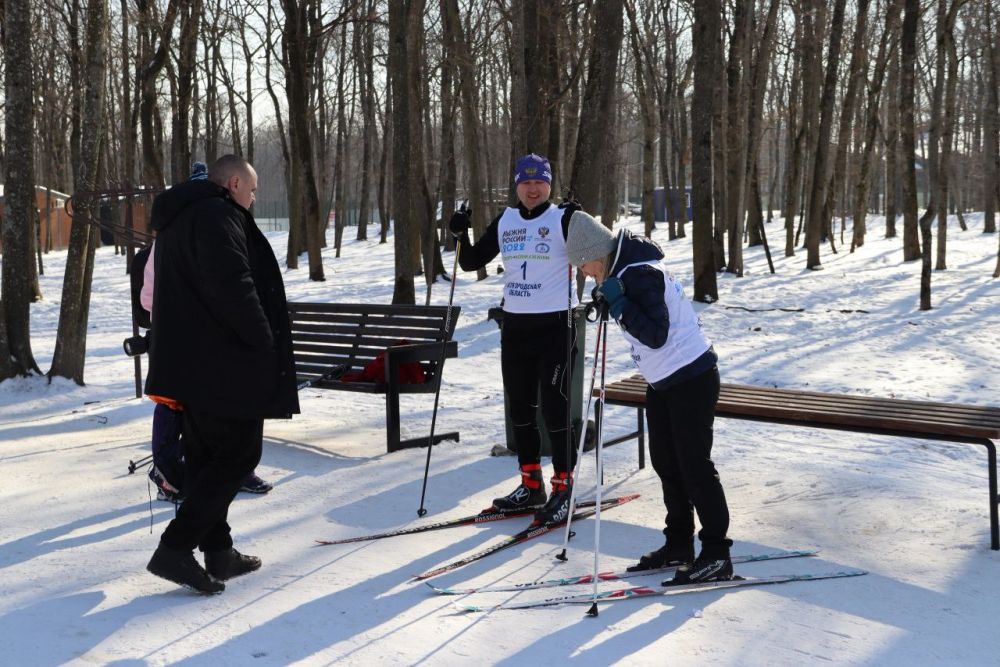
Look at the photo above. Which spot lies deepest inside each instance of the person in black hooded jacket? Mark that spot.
(680, 365)
(221, 348)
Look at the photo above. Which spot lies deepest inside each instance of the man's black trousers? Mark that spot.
(533, 364)
(219, 453)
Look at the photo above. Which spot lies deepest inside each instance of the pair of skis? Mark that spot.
(486, 516)
(528, 533)
(654, 591)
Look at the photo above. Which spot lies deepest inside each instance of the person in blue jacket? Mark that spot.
(679, 363)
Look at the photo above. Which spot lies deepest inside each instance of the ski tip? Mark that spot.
(443, 591)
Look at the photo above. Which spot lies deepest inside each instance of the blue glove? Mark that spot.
(613, 291)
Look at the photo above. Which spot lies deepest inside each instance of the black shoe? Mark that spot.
(181, 568)
(666, 556)
(224, 565)
(556, 509)
(702, 570)
(254, 484)
(530, 492)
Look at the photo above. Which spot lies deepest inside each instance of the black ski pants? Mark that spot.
(533, 365)
(680, 422)
(219, 453)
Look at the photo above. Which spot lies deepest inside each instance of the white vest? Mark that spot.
(685, 342)
(536, 271)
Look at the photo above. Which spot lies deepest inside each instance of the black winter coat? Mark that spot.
(221, 340)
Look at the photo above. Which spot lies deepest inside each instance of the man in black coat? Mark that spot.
(221, 347)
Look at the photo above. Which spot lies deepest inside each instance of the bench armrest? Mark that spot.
(421, 352)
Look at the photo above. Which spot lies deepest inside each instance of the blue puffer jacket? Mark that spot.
(645, 313)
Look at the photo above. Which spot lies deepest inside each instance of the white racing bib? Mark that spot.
(685, 341)
(535, 264)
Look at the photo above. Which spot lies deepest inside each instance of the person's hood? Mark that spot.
(170, 203)
(632, 249)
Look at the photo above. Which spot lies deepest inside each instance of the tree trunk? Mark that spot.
(408, 210)
(821, 165)
(991, 123)
(892, 149)
(19, 178)
(470, 120)
(737, 111)
(71, 336)
(907, 126)
(862, 186)
(598, 107)
(187, 47)
(152, 159)
(795, 141)
(705, 39)
(300, 40)
(365, 45)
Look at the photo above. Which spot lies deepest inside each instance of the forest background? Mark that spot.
(806, 114)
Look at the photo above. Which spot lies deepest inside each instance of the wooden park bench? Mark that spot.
(352, 335)
(970, 424)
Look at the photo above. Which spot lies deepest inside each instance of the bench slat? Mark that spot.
(818, 408)
(350, 334)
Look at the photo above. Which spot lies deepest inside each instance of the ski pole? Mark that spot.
(600, 467)
(332, 373)
(134, 465)
(569, 369)
(437, 390)
(583, 432)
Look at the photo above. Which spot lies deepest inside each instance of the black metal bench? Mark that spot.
(325, 335)
(978, 425)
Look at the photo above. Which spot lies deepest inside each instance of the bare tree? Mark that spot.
(705, 39)
(408, 209)
(71, 337)
(598, 102)
(155, 58)
(862, 185)
(907, 125)
(820, 171)
(19, 193)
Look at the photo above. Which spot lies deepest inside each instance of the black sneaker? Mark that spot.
(666, 556)
(556, 509)
(530, 492)
(169, 496)
(164, 489)
(224, 565)
(702, 570)
(254, 484)
(181, 568)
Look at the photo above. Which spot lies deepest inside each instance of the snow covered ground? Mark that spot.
(76, 530)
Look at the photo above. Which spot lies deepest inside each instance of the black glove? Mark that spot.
(612, 290)
(598, 306)
(570, 205)
(459, 223)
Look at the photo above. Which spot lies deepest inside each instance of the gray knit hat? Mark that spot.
(587, 239)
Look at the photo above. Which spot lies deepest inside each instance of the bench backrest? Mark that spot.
(326, 334)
